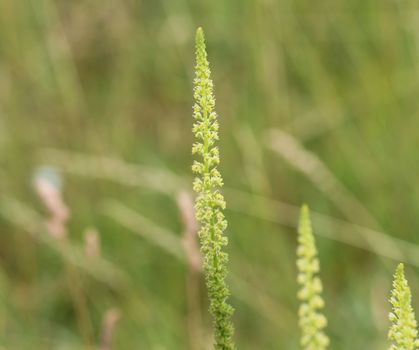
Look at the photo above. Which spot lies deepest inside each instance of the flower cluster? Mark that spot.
(210, 202)
(403, 331)
(311, 320)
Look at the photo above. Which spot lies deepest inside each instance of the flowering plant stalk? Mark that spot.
(210, 202)
(311, 320)
(403, 332)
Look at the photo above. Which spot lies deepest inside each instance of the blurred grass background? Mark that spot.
(318, 103)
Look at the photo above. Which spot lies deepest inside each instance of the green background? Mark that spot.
(83, 80)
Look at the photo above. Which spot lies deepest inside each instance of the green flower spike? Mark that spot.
(311, 320)
(403, 331)
(210, 202)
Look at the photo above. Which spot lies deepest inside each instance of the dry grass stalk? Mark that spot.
(58, 211)
(194, 264)
(110, 319)
(91, 243)
(51, 196)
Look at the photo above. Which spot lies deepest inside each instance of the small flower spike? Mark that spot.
(403, 332)
(311, 320)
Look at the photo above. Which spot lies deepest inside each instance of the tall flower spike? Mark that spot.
(311, 320)
(403, 331)
(210, 202)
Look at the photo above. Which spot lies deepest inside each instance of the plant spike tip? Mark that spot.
(210, 202)
(311, 320)
(403, 332)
